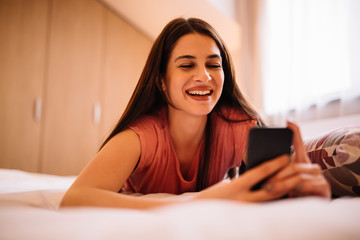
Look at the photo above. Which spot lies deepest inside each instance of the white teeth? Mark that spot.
(201, 93)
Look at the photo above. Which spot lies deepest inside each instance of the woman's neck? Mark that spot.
(186, 130)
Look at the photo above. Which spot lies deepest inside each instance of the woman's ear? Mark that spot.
(163, 85)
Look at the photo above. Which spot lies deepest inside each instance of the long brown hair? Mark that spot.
(149, 97)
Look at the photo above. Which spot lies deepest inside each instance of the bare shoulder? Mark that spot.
(125, 140)
(113, 164)
(122, 149)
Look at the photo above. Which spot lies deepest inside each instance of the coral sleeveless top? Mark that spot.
(158, 169)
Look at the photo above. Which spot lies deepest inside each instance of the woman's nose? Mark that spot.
(202, 75)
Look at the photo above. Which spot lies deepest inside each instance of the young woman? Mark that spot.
(185, 126)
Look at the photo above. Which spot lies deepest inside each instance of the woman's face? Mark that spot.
(194, 77)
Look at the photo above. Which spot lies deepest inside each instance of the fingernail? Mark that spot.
(291, 119)
(268, 187)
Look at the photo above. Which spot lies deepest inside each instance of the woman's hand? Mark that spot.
(301, 176)
(240, 188)
(295, 179)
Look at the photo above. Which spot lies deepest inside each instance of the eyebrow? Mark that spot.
(193, 57)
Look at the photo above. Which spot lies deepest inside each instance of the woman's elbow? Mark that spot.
(70, 199)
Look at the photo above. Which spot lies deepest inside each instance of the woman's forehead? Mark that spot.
(195, 44)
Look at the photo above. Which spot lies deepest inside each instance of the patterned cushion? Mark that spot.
(338, 154)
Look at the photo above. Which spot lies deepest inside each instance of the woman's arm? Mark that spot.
(98, 184)
(240, 188)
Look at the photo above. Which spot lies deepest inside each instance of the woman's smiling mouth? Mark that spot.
(199, 92)
(200, 95)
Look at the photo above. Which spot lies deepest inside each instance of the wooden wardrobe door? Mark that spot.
(75, 63)
(126, 51)
(23, 29)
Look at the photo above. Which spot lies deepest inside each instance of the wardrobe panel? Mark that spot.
(73, 85)
(23, 30)
(126, 51)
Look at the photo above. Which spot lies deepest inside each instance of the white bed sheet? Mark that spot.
(29, 210)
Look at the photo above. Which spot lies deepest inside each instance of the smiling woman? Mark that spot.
(193, 82)
(185, 126)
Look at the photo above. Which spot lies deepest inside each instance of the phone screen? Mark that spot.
(267, 143)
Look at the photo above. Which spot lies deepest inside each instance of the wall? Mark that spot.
(67, 71)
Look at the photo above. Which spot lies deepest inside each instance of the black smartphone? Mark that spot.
(265, 144)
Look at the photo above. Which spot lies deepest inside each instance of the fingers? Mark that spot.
(294, 169)
(300, 152)
(297, 139)
(263, 195)
(317, 185)
(255, 175)
(301, 179)
(303, 184)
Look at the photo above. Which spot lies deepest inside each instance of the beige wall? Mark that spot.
(248, 59)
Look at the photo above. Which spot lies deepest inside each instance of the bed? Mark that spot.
(29, 208)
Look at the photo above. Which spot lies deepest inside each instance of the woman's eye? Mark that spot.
(214, 66)
(186, 66)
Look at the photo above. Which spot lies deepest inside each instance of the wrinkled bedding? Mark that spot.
(29, 210)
